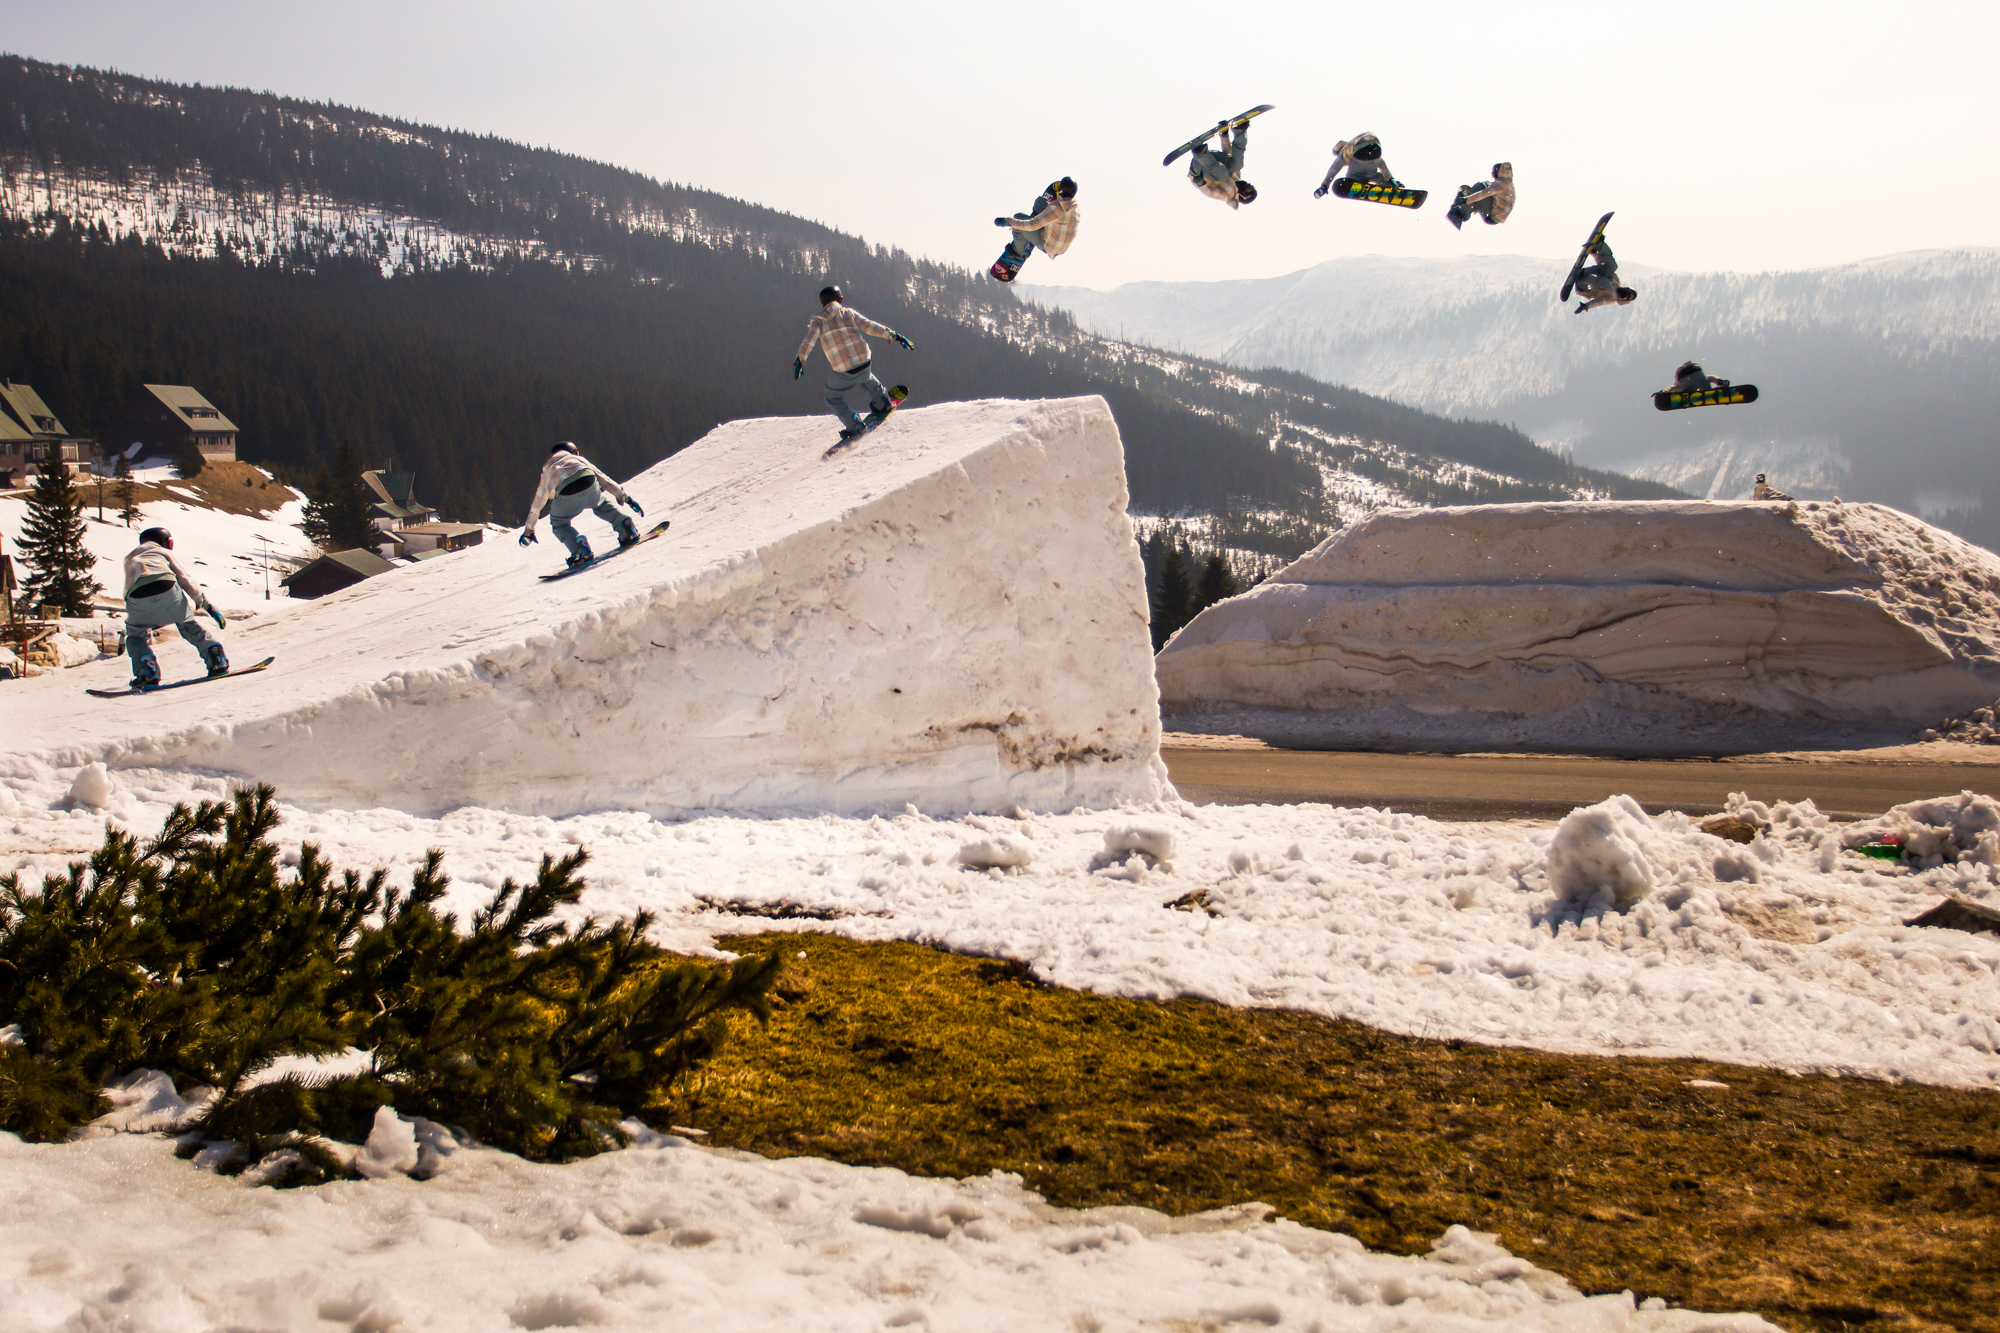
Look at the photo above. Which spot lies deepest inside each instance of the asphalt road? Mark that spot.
(1548, 787)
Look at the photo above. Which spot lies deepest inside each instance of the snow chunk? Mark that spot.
(1941, 831)
(1154, 841)
(92, 787)
(1002, 853)
(391, 1149)
(1606, 849)
(144, 1101)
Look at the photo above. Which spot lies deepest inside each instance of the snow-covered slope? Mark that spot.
(1659, 626)
(1878, 375)
(951, 614)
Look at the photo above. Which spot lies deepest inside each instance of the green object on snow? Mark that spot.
(1882, 851)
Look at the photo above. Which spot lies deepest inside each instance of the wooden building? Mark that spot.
(331, 573)
(160, 417)
(24, 414)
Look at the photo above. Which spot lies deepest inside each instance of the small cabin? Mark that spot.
(161, 417)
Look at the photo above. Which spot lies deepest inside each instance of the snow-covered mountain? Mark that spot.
(1877, 377)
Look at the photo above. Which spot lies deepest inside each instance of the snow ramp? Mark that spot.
(951, 614)
(1602, 626)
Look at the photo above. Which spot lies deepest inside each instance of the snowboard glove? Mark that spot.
(798, 368)
(903, 342)
(1002, 222)
(633, 505)
(527, 536)
(220, 622)
(1320, 193)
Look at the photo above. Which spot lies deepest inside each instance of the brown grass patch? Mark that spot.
(1819, 1203)
(232, 487)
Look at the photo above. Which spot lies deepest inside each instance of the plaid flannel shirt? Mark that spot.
(1500, 192)
(1055, 218)
(561, 469)
(840, 331)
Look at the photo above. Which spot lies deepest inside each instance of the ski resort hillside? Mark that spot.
(1876, 377)
(1676, 627)
(951, 614)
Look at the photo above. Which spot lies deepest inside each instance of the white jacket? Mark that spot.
(563, 467)
(150, 561)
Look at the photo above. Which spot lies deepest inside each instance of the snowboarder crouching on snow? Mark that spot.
(159, 593)
(1361, 158)
(1765, 491)
(843, 335)
(1219, 173)
(1050, 224)
(570, 484)
(1492, 200)
(1600, 281)
(1691, 378)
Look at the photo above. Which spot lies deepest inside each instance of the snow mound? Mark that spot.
(1676, 626)
(952, 614)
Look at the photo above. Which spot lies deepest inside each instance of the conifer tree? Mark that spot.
(128, 507)
(1217, 582)
(51, 543)
(1171, 609)
(337, 517)
(188, 460)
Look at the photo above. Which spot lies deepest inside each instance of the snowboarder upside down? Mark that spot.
(159, 593)
(1050, 224)
(571, 484)
(1600, 281)
(1492, 200)
(1218, 173)
(843, 335)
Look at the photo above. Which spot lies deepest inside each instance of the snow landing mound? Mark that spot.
(1665, 627)
(952, 614)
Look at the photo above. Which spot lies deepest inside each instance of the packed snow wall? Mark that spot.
(951, 614)
(1610, 627)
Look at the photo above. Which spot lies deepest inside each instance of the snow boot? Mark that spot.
(578, 560)
(218, 661)
(146, 673)
(628, 532)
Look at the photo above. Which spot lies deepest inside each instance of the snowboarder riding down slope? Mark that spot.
(1765, 491)
(1492, 200)
(1689, 377)
(1600, 281)
(159, 593)
(1050, 224)
(843, 335)
(1218, 172)
(571, 484)
(1361, 158)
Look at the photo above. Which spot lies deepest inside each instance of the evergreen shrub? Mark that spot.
(192, 954)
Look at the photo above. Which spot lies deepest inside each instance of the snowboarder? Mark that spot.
(1765, 491)
(1361, 158)
(1218, 172)
(158, 593)
(571, 484)
(843, 335)
(1492, 200)
(1689, 377)
(1051, 224)
(1599, 281)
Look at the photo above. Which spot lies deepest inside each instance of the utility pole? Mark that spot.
(267, 565)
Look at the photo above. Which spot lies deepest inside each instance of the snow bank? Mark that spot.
(1610, 626)
(951, 614)
(113, 1232)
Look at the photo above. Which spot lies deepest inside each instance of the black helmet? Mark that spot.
(1687, 368)
(1065, 188)
(1368, 152)
(158, 537)
(560, 445)
(1246, 192)
(1760, 477)
(828, 295)
(1626, 296)
(1503, 171)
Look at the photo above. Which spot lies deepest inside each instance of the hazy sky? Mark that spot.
(1742, 136)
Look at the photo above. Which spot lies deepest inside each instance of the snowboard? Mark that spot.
(1668, 400)
(644, 537)
(896, 396)
(1576, 269)
(1374, 192)
(1007, 265)
(1201, 139)
(191, 680)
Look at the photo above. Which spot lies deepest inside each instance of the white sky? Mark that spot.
(1744, 136)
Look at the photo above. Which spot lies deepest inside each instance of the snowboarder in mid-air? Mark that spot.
(571, 484)
(1689, 377)
(159, 593)
(843, 335)
(1695, 387)
(1218, 172)
(1599, 281)
(1368, 178)
(1765, 491)
(1050, 224)
(1492, 200)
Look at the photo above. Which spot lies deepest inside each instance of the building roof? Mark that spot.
(31, 412)
(441, 529)
(365, 563)
(10, 429)
(396, 488)
(192, 408)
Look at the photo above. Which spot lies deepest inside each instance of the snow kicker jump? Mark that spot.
(955, 618)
